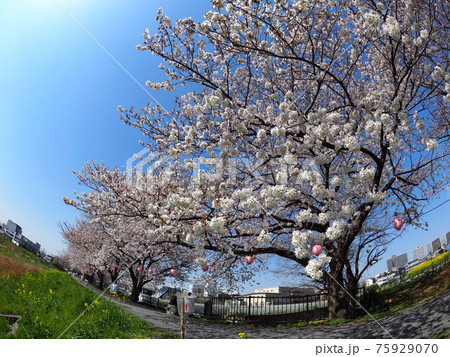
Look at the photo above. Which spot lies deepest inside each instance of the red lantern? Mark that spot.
(249, 259)
(119, 268)
(150, 271)
(173, 271)
(398, 223)
(139, 268)
(317, 249)
(204, 267)
(128, 266)
(113, 270)
(107, 269)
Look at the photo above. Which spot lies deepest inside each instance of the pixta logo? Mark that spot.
(140, 162)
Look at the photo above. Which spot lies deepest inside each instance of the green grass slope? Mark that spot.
(51, 304)
(16, 260)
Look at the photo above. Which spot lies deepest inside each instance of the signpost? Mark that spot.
(182, 317)
(187, 307)
(112, 290)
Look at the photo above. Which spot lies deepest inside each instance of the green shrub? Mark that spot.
(373, 298)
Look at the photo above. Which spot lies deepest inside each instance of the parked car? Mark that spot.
(124, 290)
(162, 297)
(146, 296)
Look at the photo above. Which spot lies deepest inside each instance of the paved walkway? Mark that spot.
(415, 322)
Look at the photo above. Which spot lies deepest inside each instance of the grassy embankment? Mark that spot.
(48, 301)
(424, 282)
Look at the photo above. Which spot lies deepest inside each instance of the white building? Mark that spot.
(196, 290)
(211, 290)
(284, 290)
(419, 253)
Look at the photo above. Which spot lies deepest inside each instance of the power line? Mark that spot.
(423, 214)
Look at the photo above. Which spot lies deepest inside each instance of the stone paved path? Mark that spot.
(415, 322)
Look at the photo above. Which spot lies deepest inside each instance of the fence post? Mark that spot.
(307, 308)
(249, 307)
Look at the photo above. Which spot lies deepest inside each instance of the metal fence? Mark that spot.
(269, 309)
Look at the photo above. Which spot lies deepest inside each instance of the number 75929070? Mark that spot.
(407, 348)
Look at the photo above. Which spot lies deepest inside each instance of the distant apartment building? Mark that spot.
(383, 278)
(286, 291)
(413, 263)
(434, 246)
(196, 290)
(400, 261)
(419, 253)
(211, 290)
(27, 244)
(12, 230)
(272, 296)
(397, 261)
(446, 240)
(390, 264)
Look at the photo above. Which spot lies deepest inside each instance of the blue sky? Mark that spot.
(59, 94)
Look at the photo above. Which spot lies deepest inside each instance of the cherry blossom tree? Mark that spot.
(143, 216)
(307, 118)
(82, 251)
(120, 246)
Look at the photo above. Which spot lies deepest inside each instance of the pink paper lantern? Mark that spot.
(150, 271)
(398, 223)
(139, 268)
(173, 271)
(119, 268)
(205, 268)
(317, 249)
(249, 259)
(128, 266)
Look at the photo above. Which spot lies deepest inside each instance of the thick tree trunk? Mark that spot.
(113, 277)
(340, 304)
(137, 287)
(338, 301)
(100, 284)
(352, 288)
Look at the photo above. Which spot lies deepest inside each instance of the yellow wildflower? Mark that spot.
(86, 304)
(243, 335)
